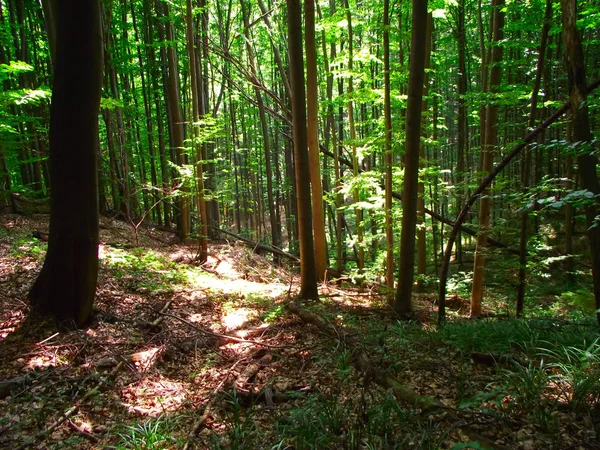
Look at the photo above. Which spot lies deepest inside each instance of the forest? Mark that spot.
(345, 224)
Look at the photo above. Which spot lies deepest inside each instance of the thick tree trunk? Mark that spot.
(581, 133)
(66, 285)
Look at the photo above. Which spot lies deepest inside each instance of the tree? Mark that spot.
(203, 216)
(387, 111)
(582, 136)
(308, 272)
(66, 286)
(491, 137)
(313, 140)
(177, 131)
(403, 303)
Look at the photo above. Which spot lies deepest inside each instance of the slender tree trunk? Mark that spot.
(313, 140)
(183, 223)
(308, 273)
(275, 231)
(526, 162)
(403, 301)
(421, 228)
(356, 193)
(202, 240)
(491, 134)
(387, 112)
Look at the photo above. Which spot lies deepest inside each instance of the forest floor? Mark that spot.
(183, 356)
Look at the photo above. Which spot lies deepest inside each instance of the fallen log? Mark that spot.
(258, 245)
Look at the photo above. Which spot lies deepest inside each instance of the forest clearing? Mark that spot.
(178, 356)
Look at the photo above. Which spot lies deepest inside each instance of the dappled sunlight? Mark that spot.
(234, 319)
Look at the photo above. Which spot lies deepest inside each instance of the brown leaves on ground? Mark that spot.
(170, 340)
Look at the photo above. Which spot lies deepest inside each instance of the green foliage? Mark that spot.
(273, 314)
(580, 298)
(577, 374)
(29, 247)
(145, 269)
(152, 434)
(14, 68)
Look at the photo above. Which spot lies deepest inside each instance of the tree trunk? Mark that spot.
(275, 231)
(313, 140)
(582, 135)
(308, 272)
(202, 214)
(403, 303)
(526, 162)
(421, 229)
(491, 134)
(387, 112)
(66, 286)
(183, 223)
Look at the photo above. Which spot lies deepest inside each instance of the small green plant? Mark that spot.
(29, 247)
(153, 434)
(274, 313)
(581, 298)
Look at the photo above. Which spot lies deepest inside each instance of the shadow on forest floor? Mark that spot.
(209, 358)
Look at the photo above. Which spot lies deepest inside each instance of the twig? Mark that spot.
(160, 318)
(224, 336)
(89, 436)
(47, 339)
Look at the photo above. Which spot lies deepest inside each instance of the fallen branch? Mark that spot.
(258, 245)
(224, 336)
(86, 434)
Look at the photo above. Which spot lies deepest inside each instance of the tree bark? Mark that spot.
(387, 112)
(403, 301)
(582, 136)
(308, 273)
(66, 286)
(491, 137)
(183, 223)
(313, 140)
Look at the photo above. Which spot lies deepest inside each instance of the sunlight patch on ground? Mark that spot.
(234, 319)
